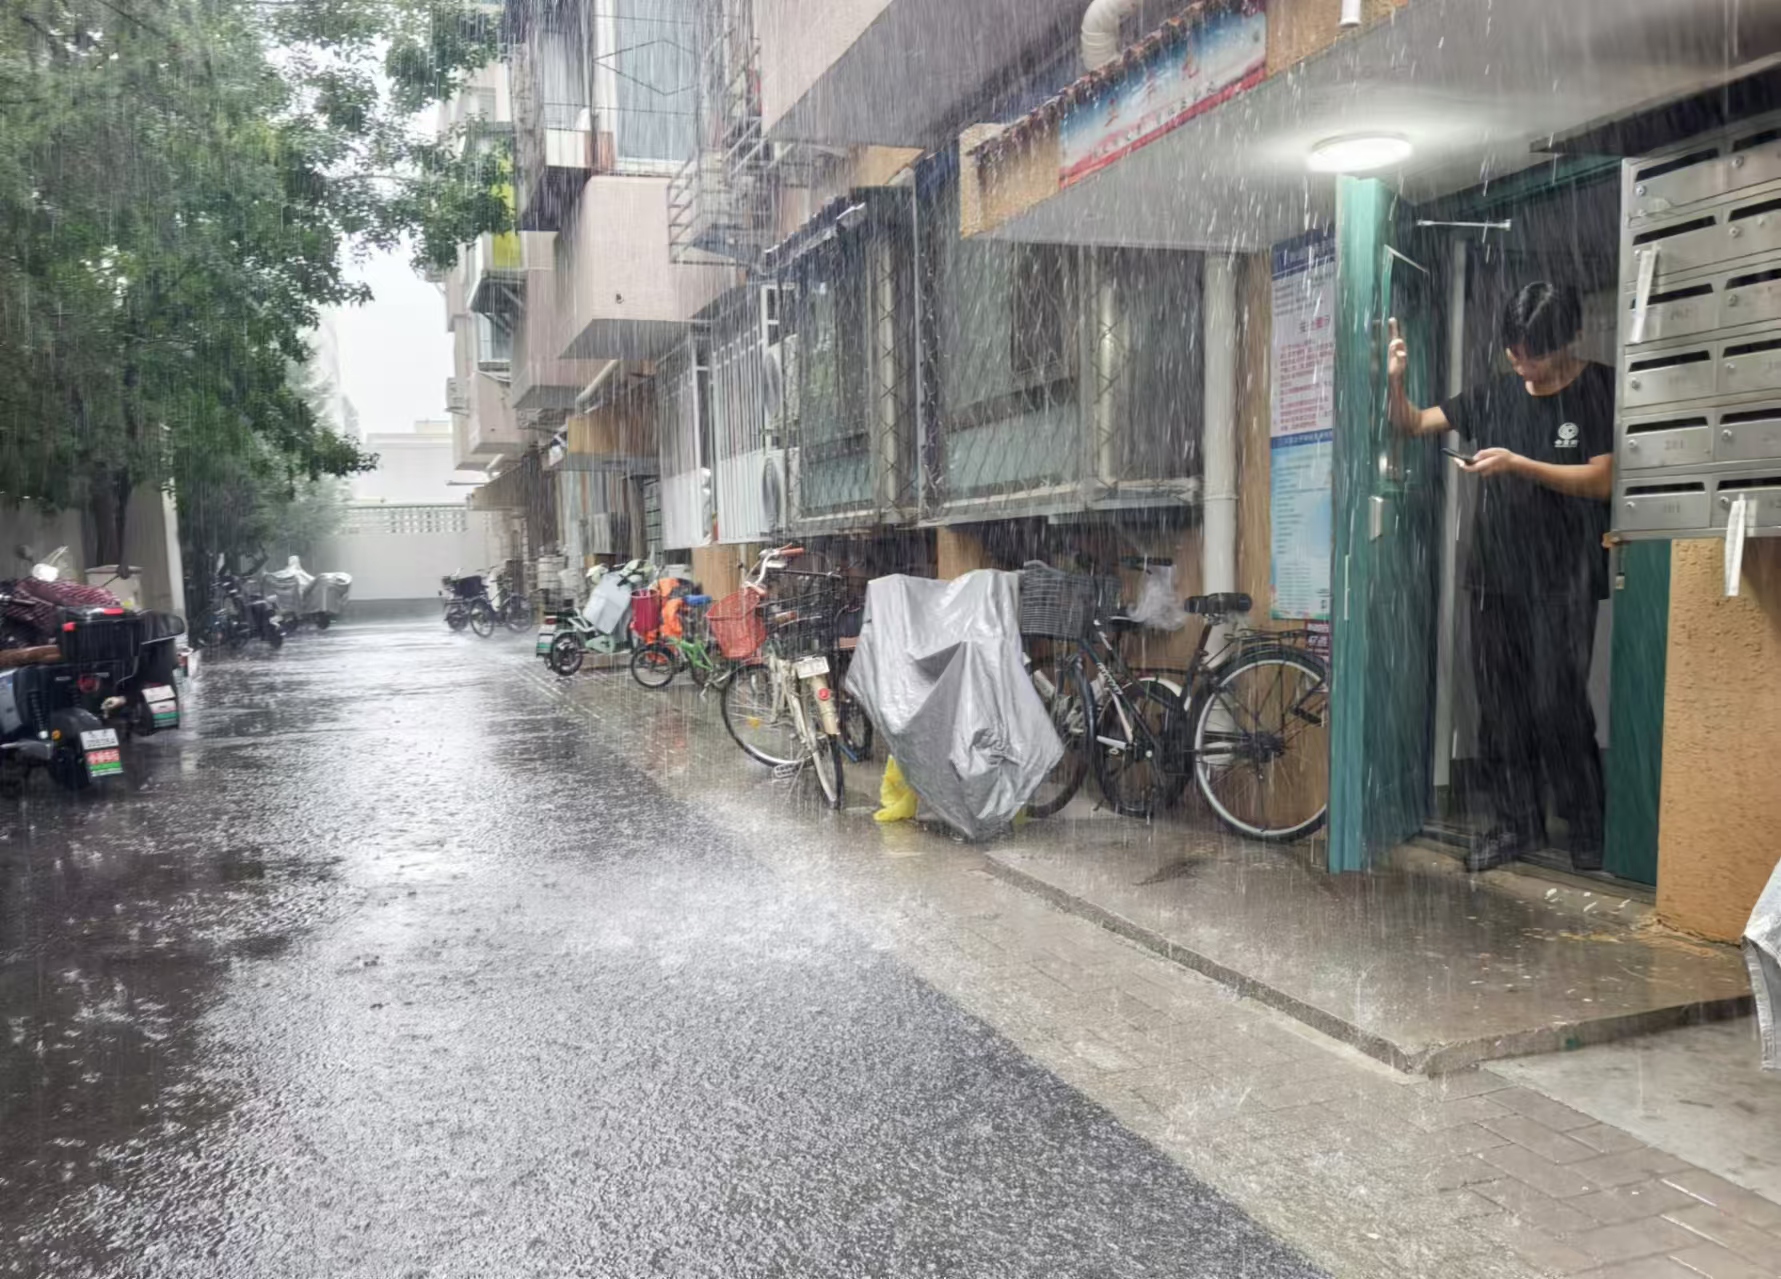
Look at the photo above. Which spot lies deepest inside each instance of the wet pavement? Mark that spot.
(394, 966)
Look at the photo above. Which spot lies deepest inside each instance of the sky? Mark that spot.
(395, 353)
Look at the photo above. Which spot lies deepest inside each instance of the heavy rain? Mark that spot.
(881, 637)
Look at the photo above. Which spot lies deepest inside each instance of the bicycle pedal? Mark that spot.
(785, 772)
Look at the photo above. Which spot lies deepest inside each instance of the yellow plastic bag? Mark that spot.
(896, 797)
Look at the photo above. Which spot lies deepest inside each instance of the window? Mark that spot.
(1041, 303)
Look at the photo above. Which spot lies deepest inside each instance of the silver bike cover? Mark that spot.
(1762, 952)
(939, 669)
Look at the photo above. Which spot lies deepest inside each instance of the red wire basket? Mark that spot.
(736, 625)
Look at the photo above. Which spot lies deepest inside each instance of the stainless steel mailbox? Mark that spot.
(1698, 421)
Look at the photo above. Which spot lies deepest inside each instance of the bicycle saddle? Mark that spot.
(1224, 602)
(1123, 625)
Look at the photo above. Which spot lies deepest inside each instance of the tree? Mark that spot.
(181, 186)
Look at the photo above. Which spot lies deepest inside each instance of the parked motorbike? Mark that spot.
(600, 624)
(78, 674)
(42, 726)
(467, 603)
(236, 617)
(304, 598)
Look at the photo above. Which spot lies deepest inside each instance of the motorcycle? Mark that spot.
(43, 726)
(600, 623)
(467, 603)
(78, 674)
(237, 617)
(304, 598)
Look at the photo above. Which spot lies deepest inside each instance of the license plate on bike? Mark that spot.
(101, 749)
(163, 705)
(815, 664)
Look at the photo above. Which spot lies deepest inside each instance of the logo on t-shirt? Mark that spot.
(1567, 436)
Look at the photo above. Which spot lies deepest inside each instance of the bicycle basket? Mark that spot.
(1059, 605)
(646, 613)
(736, 625)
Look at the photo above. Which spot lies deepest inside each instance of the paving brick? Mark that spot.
(1643, 1268)
(1627, 1240)
(1463, 1205)
(1710, 1261)
(1542, 1110)
(1624, 1167)
(1328, 1089)
(1451, 1174)
(1605, 1138)
(1432, 1115)
(1540, 1139)
(1743, 1204)
(1560, 1181)
(1536, 1247)
(1467, 1083)
(1728, 1232)
(1467, 1139)
(1632, 1202)
(1536, 1209)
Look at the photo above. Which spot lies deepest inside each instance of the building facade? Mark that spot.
(933, 286)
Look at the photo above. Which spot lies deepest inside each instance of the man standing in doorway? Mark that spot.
(1545, 436)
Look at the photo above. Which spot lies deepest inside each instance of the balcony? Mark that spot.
(623, 296)
(823, 63)
(494, 273)
(553, 157)
(544, 386)
(492, 432)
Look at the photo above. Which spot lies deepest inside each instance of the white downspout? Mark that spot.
(1351, 14)
(1218, 437)
(1100, 30)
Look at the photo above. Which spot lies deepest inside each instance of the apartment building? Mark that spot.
(944, 285)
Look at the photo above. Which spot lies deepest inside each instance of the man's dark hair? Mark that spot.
(1542, 318)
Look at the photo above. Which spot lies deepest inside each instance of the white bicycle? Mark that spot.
(781, 708)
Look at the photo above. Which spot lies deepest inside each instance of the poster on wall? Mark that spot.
(1214, 56)
(1301, 427)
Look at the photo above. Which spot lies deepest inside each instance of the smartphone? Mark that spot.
(1464, 459)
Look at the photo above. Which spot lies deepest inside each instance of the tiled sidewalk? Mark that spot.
(1371, 1172)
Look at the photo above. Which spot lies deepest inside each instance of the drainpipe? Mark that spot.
(1218, 437)
(1100, 30)
(1351, 13)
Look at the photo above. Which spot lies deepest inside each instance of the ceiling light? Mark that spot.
(1358, 153)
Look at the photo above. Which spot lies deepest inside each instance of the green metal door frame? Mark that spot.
(1386, 510)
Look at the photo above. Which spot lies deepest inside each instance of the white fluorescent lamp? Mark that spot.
(1358, 153)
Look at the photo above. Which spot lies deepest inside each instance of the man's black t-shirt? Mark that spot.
(1528, 539)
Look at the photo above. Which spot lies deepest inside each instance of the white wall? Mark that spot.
(413, 467)
(408, 566)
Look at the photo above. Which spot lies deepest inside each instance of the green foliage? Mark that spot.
(182, 186)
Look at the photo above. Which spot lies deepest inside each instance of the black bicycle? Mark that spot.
(1249, 723)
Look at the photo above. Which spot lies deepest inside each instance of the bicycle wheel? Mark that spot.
(457, 616)
(1262, 746)
(566, 654)
(824, 751)
(1141, 749)
(482, 618)
(653, 665)
(517, 613)
(761, 725)
(856, 728)
(1071, 704)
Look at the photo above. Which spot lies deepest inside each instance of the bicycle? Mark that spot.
(657, 663)
(467, 604)
(782, 709)
(1241, 724)
(510, 607)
